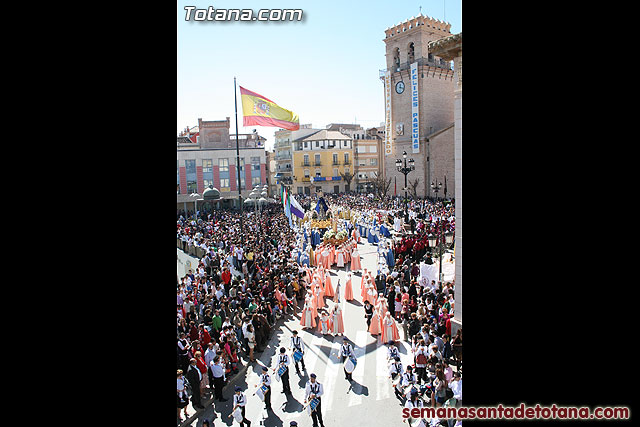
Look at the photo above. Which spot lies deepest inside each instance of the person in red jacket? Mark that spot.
(204, 336)
(226, 276)
(202, 366)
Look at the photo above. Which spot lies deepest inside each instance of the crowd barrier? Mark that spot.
(194, 251)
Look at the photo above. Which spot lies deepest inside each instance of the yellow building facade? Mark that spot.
(319, 162)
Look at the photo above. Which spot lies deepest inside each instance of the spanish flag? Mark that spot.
(260, 111)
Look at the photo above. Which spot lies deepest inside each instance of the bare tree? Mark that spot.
(347, 178)
(413, 185)
(380, 185)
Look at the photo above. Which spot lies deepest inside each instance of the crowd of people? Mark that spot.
(248, 278)
(228, 304)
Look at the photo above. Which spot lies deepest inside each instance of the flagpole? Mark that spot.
(235, 96)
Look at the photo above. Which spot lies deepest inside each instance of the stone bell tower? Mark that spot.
(419, 107)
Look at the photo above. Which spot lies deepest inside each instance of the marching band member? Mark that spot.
(413, 402)
(395, 370)
(297, 345)
(408, 378)
(265, 380)
(239, 401)
(346, 350)
(392, 351)
(283, 361)
(312, 390)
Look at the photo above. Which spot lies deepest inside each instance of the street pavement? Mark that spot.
(368, 400)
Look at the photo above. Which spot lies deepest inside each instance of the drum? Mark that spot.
(297, 355)
(314, 403)
(262, 391)
(281, 370)
(350, 365)
(237, 415)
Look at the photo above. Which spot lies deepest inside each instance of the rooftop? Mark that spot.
(325, 134)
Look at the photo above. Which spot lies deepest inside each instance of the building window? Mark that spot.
(223, 165)
(256, 172)
(346, 158)
(318, 173)
(306, 173)
(207, 173)
(317, 159)
(335, 172)
(306, 160)
(373, 149)
(192, 183)
(373, 162)
(305, 144)
(255, 163)
(300, 190)
(335, 158)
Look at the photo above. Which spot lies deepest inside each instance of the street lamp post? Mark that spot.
(435, 186)
(405, 170)
(440, 236)
(195, 196)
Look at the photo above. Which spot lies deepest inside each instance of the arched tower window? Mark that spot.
(396, 58)
(412, 54)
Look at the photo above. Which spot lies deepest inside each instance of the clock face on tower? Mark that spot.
(400, 87)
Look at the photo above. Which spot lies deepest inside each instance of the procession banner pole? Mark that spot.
(235, 96)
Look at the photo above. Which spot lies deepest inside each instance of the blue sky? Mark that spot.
(324, 68)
